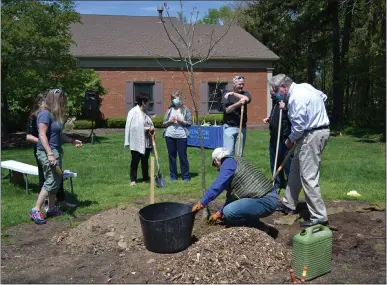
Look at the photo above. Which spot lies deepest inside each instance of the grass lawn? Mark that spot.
(348, 163)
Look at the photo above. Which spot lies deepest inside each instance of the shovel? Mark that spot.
(238, 152)
(284, 162)
(159, 178)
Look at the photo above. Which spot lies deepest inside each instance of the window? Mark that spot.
(146, 88)
(214, 95)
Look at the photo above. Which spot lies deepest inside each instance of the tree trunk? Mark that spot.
(337, 90)
(4, 101)
(344, 50)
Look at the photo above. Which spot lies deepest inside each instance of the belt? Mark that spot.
(319, 128)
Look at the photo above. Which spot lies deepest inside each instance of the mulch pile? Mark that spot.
(231, 255)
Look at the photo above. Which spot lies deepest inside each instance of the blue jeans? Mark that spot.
(280, 181)
(248, 211)
(178, 146)
(230, 139)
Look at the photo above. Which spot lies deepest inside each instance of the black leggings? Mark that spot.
(60, 194)
(136, 157)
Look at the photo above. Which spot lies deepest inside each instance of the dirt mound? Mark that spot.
(232, 255)
(117, 229)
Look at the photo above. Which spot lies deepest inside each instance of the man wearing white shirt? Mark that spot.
(310, 132)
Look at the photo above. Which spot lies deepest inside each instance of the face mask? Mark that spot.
(279, 97)
(176, 102)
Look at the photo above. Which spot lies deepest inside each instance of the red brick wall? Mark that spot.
(114, 81)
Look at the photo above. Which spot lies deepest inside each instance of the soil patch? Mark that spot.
(108, 248)
(114, 230)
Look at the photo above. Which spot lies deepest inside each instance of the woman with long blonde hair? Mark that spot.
(50, 121)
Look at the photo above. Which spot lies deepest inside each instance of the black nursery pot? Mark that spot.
(167, 226)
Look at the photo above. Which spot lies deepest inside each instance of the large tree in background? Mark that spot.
(336, 45)
(35, 51)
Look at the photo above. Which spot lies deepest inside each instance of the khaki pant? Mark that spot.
(305, 173)
(52, 179)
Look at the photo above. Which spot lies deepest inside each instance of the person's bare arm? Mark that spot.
(32, 139)
(43, 138)
(232, 107)
(239, 96)
(74, 142)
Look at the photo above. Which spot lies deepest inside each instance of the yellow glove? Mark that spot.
(197, 207)
(214, 219)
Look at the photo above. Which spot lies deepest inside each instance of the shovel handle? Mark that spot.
(155, 150)
(240, 130)
(154, 147)
(284, 162)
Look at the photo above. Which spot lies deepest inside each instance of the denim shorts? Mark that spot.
(52, 178)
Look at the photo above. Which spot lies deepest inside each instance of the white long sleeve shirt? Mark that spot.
(306, 109)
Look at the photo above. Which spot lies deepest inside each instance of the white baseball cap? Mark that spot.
(219, 153)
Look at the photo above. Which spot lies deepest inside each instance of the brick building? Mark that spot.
(133, 54)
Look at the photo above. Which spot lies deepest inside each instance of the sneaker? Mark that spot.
(53, 212)
(172, 179)
(67, 204)
(187, 180)
(37, 217)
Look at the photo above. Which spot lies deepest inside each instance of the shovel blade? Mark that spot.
(160, 181)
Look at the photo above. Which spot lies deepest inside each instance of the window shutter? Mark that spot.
(129, 95)
(158, 98)
(203, 98)
(229, 87)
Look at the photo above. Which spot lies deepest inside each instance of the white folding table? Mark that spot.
(13, 165)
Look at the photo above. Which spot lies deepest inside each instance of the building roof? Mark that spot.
(108, 36)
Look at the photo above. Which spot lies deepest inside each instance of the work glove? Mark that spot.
(215, 218)
(197, 207)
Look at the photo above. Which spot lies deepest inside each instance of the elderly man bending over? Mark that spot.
(250, 195)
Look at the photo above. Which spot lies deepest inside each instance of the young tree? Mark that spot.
(184, 39)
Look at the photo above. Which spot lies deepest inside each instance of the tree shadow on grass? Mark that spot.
(365, 135)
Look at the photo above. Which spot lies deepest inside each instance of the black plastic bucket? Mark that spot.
(167, 226)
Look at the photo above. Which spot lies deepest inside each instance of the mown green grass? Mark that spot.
(348, 163)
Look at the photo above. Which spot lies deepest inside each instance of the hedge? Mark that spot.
(82, 124)
(116, 123)
(119, 122)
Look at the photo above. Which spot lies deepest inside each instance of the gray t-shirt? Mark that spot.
(176, 130)
(54, 130)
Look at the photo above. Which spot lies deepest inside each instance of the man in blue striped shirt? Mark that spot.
(310, 132)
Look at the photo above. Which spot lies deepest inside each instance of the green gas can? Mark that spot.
(312, 247)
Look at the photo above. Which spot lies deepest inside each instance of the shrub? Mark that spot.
(82, 124)
(158, 121)
(116, 122)
(69, 126)
(210, 118)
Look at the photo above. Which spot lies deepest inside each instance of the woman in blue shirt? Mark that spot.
(50, 124)
(177, 118)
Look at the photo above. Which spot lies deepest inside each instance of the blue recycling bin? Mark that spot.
(212, 136)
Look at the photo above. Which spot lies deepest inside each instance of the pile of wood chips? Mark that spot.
(231, 255)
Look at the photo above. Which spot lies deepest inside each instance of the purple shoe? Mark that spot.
(37, 217)
(53, 212)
